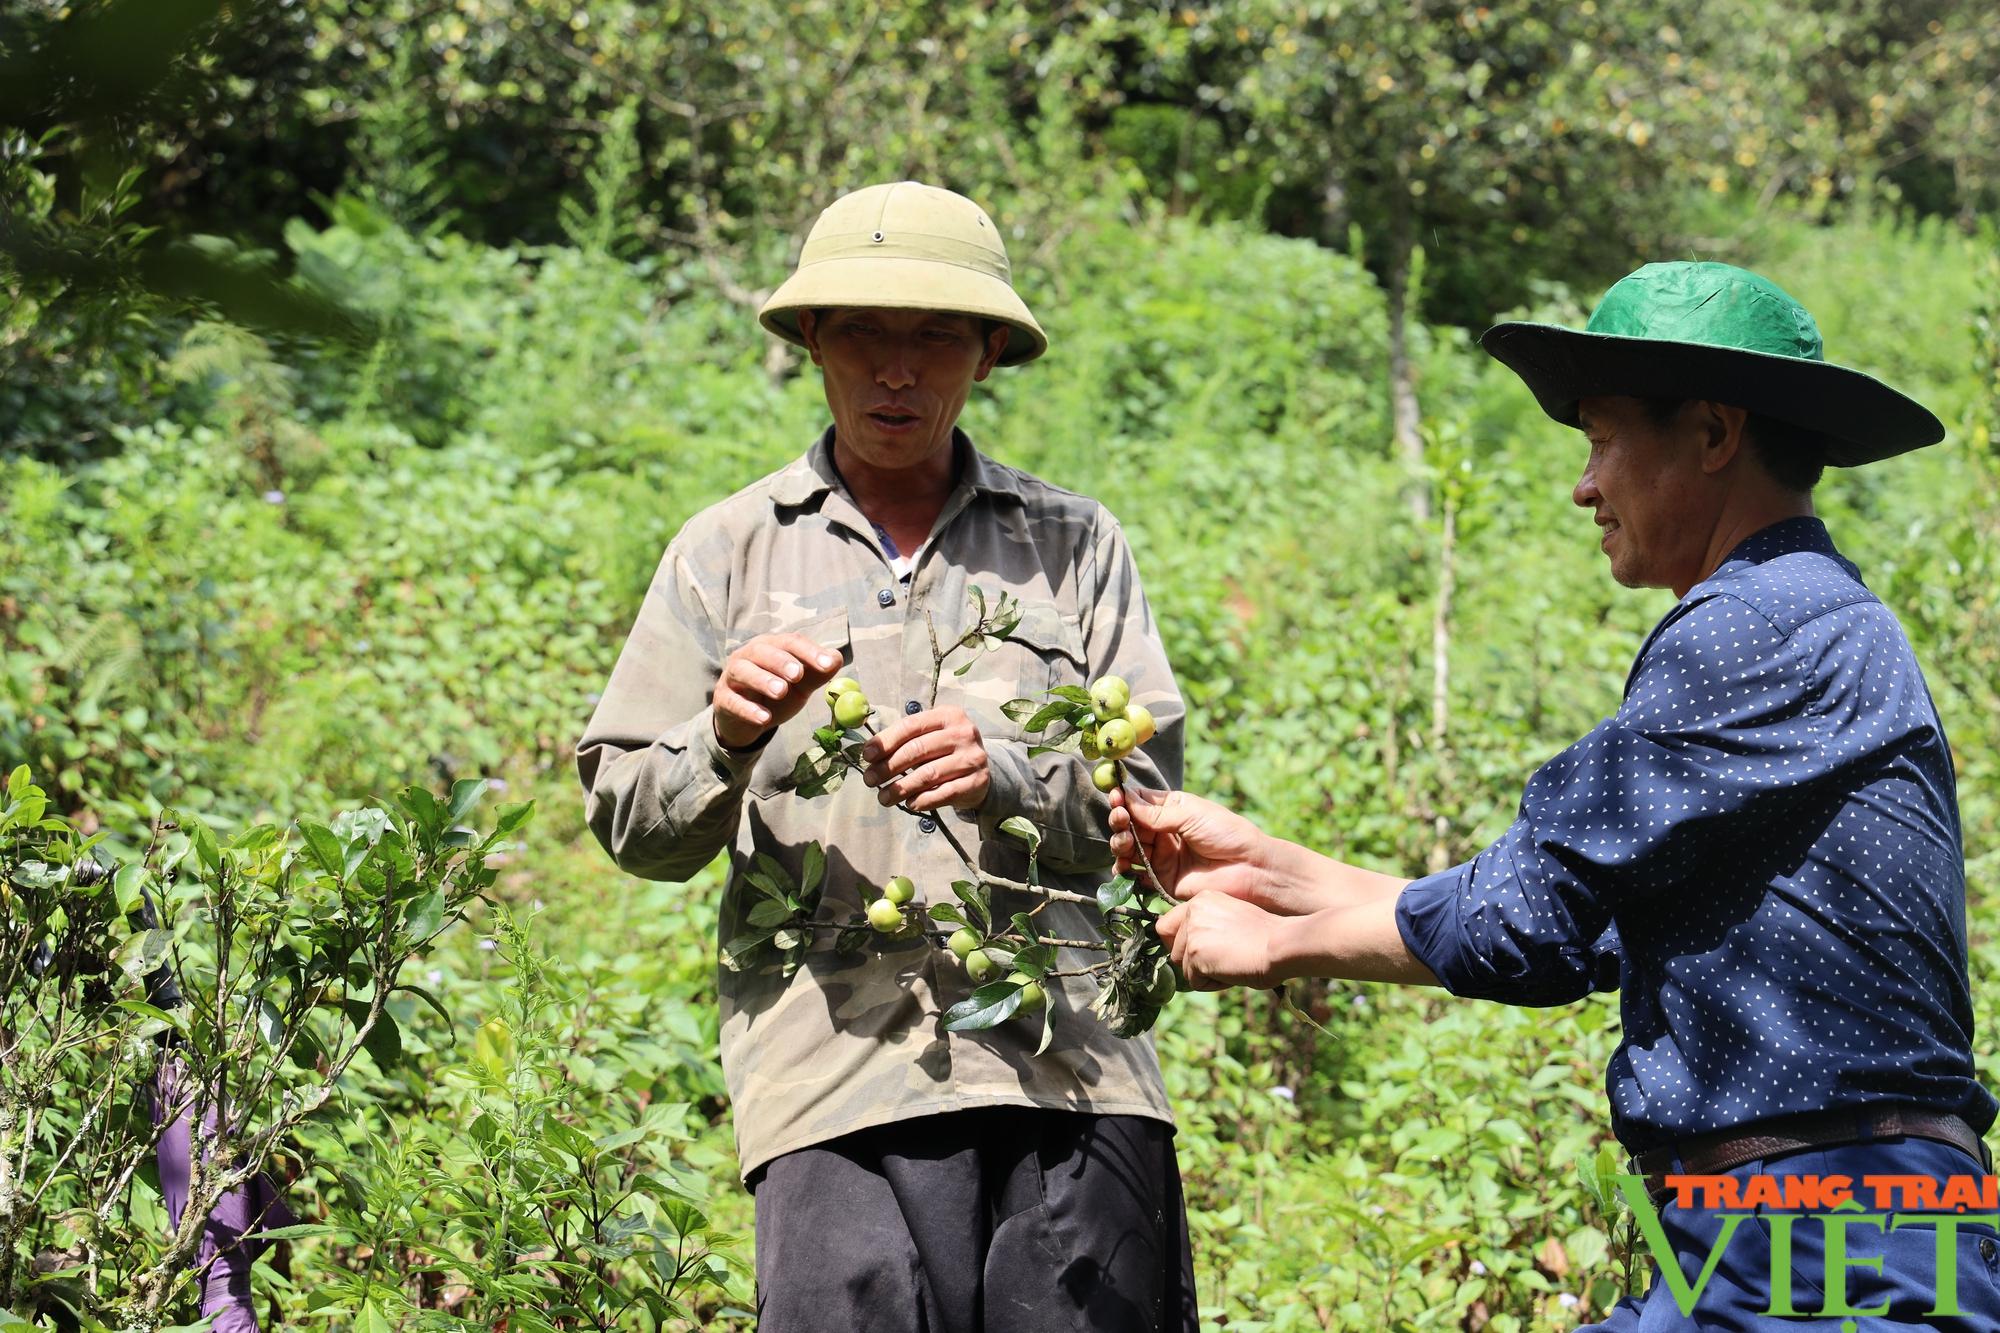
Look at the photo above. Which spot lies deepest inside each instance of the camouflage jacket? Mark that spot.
(849, 1041)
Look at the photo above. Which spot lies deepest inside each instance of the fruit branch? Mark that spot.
(1102, 725)
(989, 630)
(987, 877)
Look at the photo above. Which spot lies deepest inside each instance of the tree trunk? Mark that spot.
(1440, 857)
(13, 1208)
(1402, 376)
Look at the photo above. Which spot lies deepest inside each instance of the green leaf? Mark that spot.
(1076, 694)
(1115, 893)
(425, 915)
(823, 783)
(1055, 712)
(17, 783)
(512, 817)
(493, 1048)
(771, 912)
(768, 874)
(568, 1139)
(203, 838)
(127, 887)
(255, 838)
(624, 1138)
(367, 824)
(683, 1217)
(384, 1040)
(436, 1004)
(789, 938)
(1020, 710)
(977, 901)
(989, 1006)
(1048, 1027)
(737, 954)
(1020, 826)
(142, 952)
(1035, 960)
(421, 806)
(945, 914)
(813, 869)
(147, 1011)
(325, 848)
(270, 1023)
(371, 1320)
(39, 875)
(466, 794)
(301, 1231)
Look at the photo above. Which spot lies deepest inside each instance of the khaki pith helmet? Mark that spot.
(906, 246)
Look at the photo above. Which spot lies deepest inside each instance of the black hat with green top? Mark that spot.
(1720, 333)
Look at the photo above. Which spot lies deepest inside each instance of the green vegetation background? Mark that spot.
(258, 574)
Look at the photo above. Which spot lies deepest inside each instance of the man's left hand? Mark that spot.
(928, 760)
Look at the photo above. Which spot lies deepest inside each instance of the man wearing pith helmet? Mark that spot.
(905, 1177)
(1760, 849)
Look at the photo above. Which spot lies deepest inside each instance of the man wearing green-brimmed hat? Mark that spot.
(1760, 849)
(905, 1177)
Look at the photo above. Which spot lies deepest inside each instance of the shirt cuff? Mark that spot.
(1010, 777)
(1428, 920)
(731, 768)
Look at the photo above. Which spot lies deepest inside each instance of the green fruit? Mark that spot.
(964, 942)
(979, 965)
(1117, 738)
(850, 709)
(1088, 738)
(1141, 718)
(1109, 695)
(1162, 985)
(1106, 775)
(899, 890)
(1032, 998)
(841, 685)
(885, 916)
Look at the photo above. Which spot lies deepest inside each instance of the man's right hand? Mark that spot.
(765, 683)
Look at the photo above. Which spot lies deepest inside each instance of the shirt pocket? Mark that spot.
(1044, 650)
(793, 739)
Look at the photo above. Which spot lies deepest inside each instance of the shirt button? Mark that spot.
(913, 707)
(885, 598)
(927, 825)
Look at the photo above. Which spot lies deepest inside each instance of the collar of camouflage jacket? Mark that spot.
(812, 476)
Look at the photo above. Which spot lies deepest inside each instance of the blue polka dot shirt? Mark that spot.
(1760, 850)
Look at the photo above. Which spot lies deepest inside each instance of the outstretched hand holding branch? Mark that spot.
(1256, 910)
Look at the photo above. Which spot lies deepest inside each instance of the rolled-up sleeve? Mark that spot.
(1720, 738)
(660, 793)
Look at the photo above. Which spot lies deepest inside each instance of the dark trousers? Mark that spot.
(997, 1220)
(1890, 1270)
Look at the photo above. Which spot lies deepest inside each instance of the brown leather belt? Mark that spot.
(1713, 1154)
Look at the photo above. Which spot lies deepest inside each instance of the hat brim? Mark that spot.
(904, 284)
(1861, 418)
